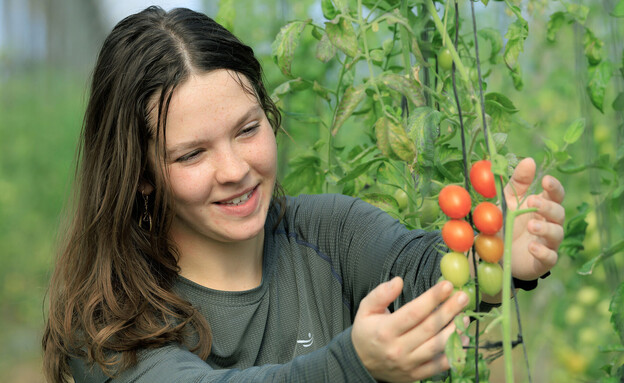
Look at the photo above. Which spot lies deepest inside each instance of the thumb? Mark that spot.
(521, 179)
(378, 300)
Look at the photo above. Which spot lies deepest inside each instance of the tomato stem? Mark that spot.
(506, 296)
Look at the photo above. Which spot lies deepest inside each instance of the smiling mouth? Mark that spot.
(238, 200)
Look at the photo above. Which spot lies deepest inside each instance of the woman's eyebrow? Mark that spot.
(251, 112)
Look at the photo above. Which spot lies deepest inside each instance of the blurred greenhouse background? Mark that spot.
(47, 49)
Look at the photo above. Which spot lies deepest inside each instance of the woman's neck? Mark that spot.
(226, 266)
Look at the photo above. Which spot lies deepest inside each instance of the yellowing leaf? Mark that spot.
(286, 41)
(342, 35)
(350, 100)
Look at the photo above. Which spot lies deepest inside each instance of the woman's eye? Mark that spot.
(188, 156)
(249, 130)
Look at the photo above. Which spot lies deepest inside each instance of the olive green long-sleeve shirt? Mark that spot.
(325, 255)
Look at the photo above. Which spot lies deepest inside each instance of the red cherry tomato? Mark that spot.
(482, 178)
(458, 235)
(455, 201)
(455, 268)
(489, 247)
(487, 218)
(490, 278)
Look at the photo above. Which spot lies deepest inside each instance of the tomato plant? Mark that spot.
(489, 247)
(482, 178)
(458, 235)
(455, 201)
(455, 268)
(488, 218)
(490, 277)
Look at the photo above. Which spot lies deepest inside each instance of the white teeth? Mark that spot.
(238, 200)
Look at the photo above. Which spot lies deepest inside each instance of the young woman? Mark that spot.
(184, 264)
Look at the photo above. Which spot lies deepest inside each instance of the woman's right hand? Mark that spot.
(408, 344)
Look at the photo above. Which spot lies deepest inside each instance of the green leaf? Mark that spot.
(496, 42)
(404, 85)
(499, 164)
(579, 12)
(422, 128)
(286, 41)
(500, 102)
(400, 143)
(290, 86)
(329, 11)
(598, 79)
(574, 131)
(611, 348)
(516, 77)
(516, 35)
(342, 35)
(306, 175)
(325, 50)
(557, 20)
(618, 11)
(551, 145)
(350, 100)
(593, 47)
(226, 14)
(588, 267)
(617, 311)
(455, 353)
(321, 91)
(618, 103)
(575, 228)
(358, 171)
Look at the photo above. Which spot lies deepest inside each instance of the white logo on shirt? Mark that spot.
(306, 342)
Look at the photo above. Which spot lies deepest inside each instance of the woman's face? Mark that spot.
(221, 159)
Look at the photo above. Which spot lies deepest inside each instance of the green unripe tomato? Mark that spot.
(455, 268)
(429, 211)
(401, 197)
(445, 59)
(490, 278)
(471, 290)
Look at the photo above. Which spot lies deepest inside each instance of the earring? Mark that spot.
(146, 217)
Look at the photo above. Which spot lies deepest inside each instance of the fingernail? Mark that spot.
(462, 298)
(446, 286)
(537, 226)
(537, 203)
(465, 341)
(466, 321)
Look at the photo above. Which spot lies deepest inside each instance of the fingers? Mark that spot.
(521, 178)
(414, 312)
(543, 254)
(436, 321)
(553, 189)
(550, 210)
(378, 300)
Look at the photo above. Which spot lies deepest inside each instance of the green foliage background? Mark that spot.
(567, 321)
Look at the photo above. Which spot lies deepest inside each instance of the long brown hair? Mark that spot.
(111, 290)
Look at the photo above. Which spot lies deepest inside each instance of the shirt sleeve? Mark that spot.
(371, 247)
(336, 362)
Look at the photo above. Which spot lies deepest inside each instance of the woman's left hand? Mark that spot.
(537, 235)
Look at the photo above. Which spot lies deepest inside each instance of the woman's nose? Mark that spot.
(231, 167)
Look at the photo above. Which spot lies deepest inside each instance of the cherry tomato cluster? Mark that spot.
(457, 233)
